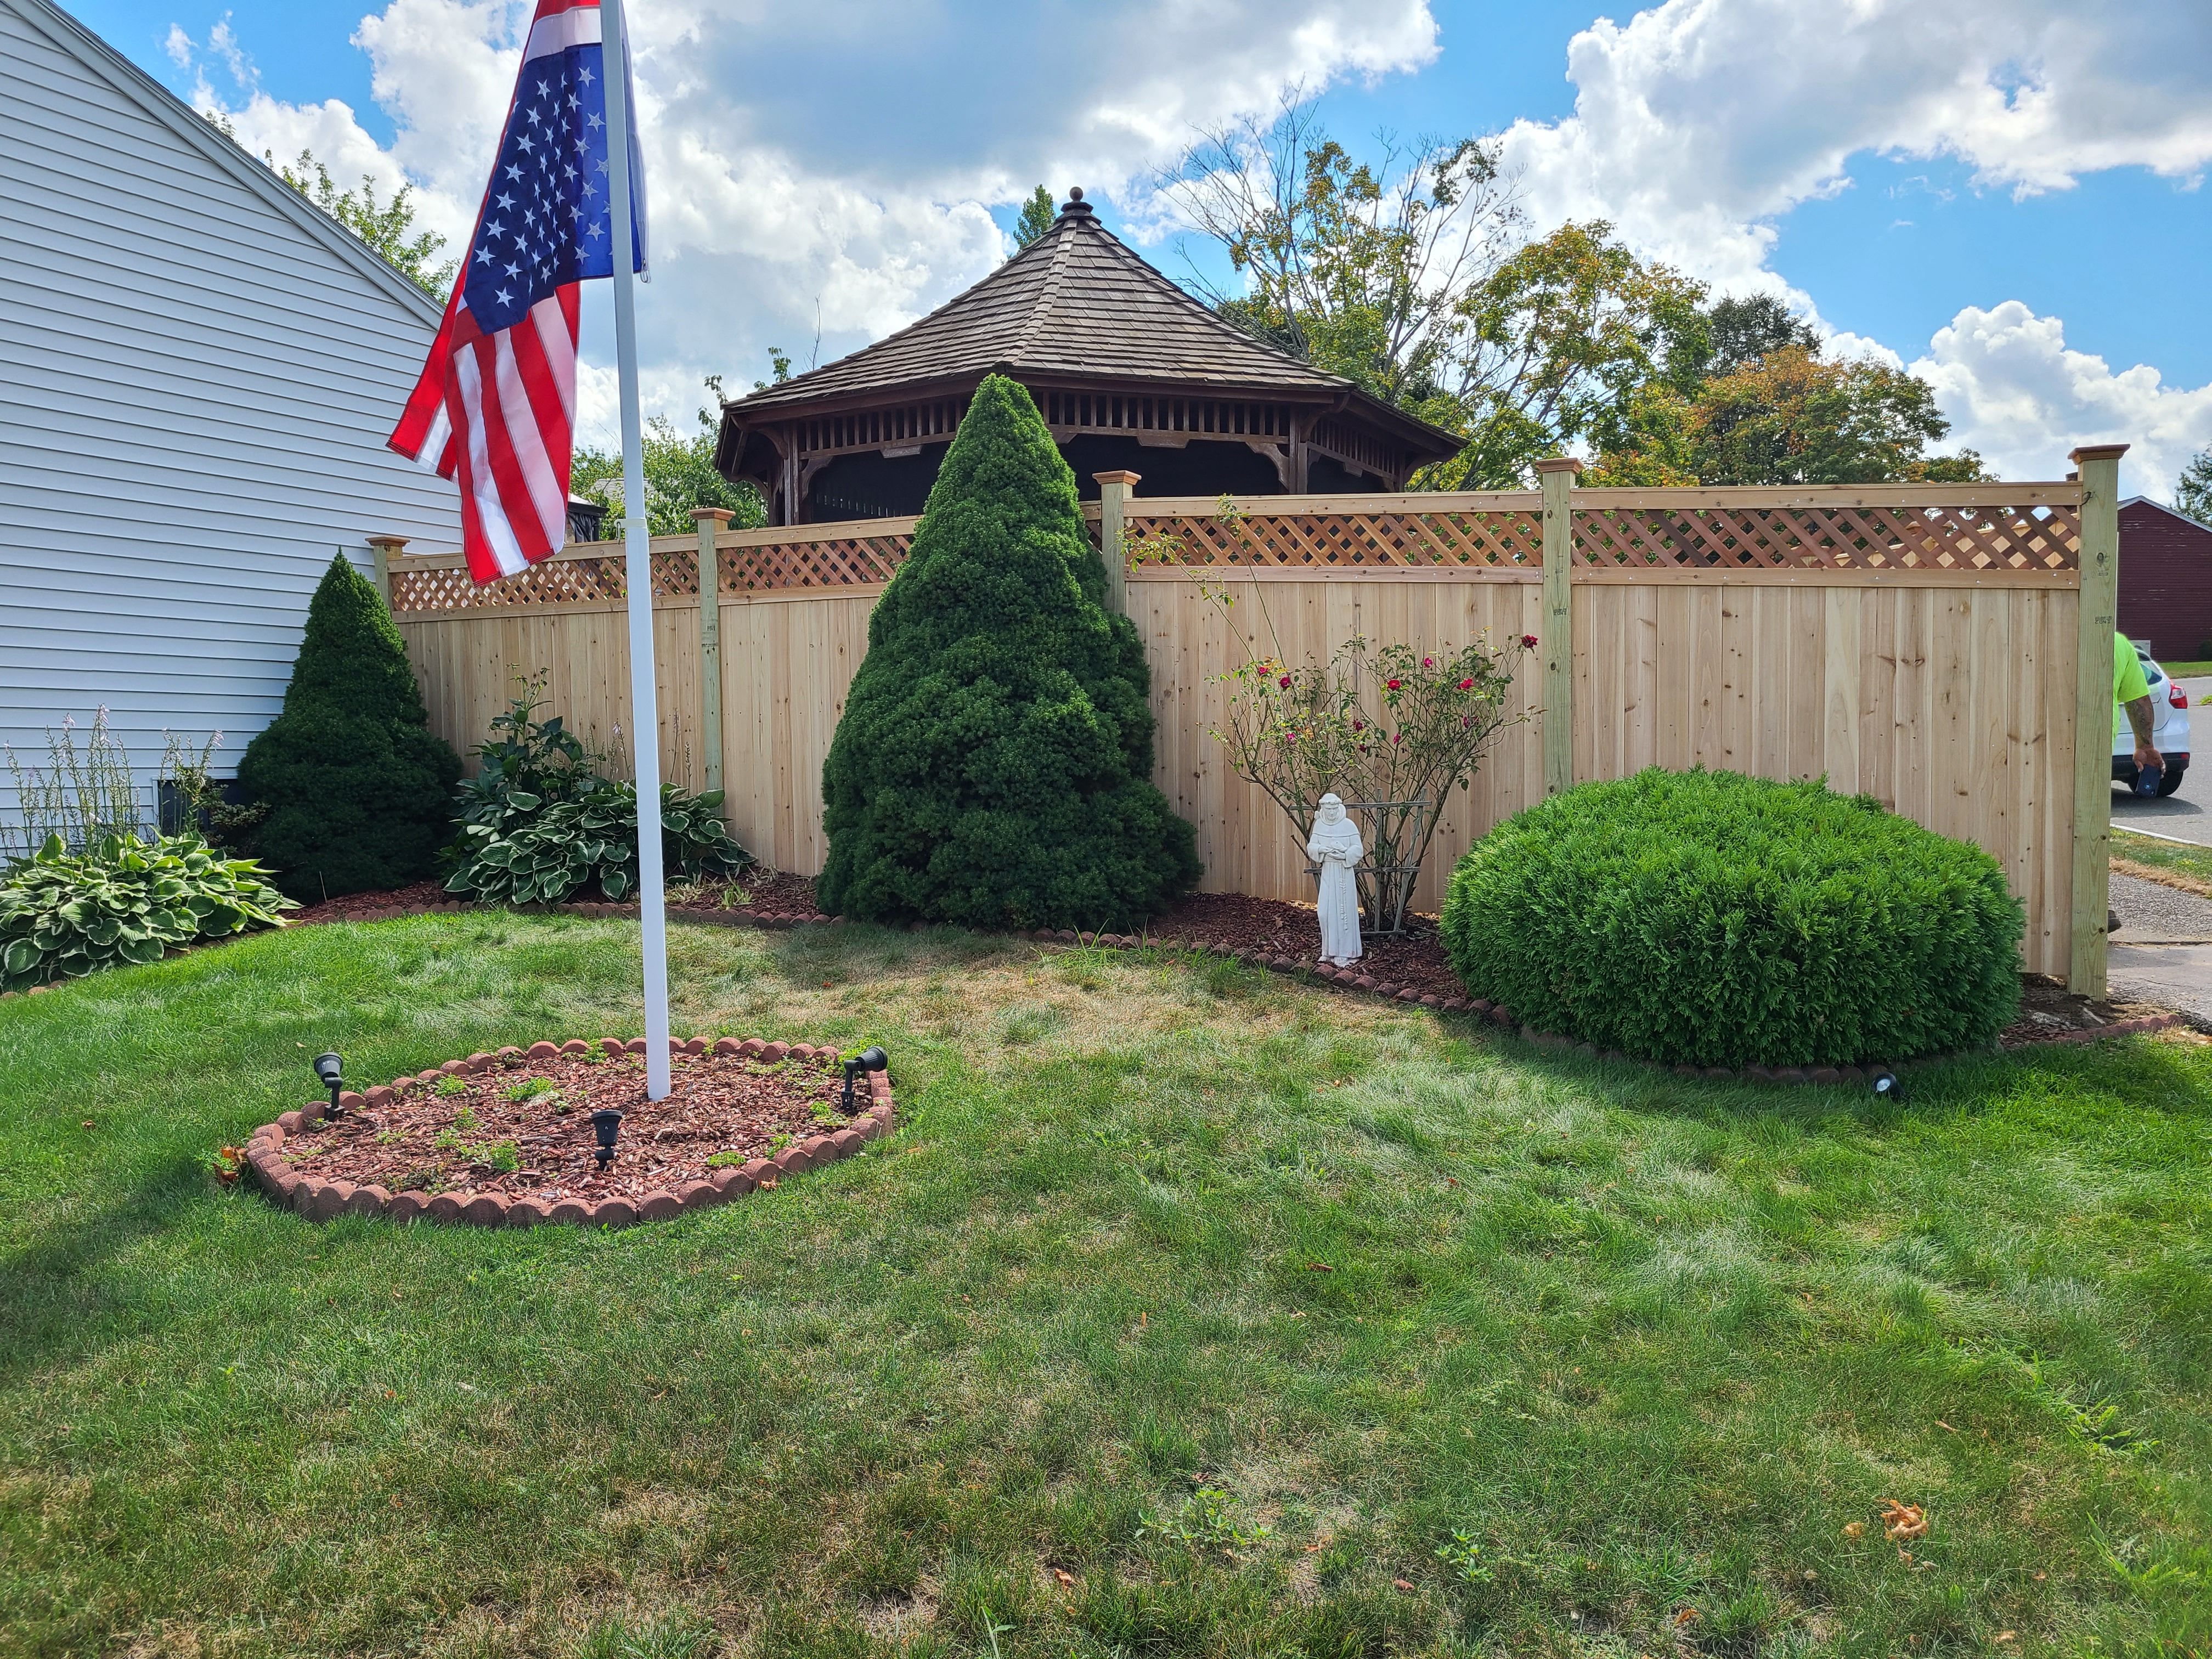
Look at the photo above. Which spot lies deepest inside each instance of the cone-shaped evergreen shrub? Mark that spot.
(1709, 919)
(994, 764)
(360, 793)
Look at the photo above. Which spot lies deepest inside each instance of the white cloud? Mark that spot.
(1699, 121)
(2015, 391)
(831, 165)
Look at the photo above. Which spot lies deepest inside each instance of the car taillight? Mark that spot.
(2176, 695)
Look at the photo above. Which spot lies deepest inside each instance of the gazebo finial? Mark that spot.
(1077, 208)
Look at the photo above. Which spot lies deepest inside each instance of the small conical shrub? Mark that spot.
(994, 764)
(359, 792)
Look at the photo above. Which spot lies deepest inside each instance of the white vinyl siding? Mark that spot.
(198, 373)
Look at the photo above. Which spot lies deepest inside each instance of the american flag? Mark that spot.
(496, 405)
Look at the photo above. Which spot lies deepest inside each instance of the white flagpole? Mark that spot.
(637, 563)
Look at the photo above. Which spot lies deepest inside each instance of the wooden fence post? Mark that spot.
(382, 551)
(1114, 489)
(710, 520)
(1558, 474)
(2094, 715)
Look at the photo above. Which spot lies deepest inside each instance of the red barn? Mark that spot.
(2166, 581)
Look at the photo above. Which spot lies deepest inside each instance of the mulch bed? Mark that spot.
(506, 1139)
(450, 1135)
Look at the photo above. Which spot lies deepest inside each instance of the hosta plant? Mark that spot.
(523, 849)
(124, 900)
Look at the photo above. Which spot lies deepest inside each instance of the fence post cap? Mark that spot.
(1132, 479)
(719, 514)
(389, 544)
(2097, 453)
(1559, 463)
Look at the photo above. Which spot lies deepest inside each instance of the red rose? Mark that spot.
(1529, 640)
(1428, 662)
(1466, 685)
(1393, 685)
(1359, 726)
(1285, 682)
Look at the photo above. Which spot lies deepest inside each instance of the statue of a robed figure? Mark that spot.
(1336, 847)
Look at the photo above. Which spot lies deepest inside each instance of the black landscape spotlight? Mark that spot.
(606, 1124)
(1886, 1085)
(331, 1070)
(871, 1060)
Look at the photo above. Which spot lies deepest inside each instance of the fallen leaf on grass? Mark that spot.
(1686, 1616)
(2007, 1636)
(1903, 1520)
(1065, 1579)
(1941, 1423)
(1320, 1267)
(1401, 1585)
(1853, 1529)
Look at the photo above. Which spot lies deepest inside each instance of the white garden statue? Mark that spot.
(1336, 846)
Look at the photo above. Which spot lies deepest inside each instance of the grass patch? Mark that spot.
(1190, 1313)
(2151, 858)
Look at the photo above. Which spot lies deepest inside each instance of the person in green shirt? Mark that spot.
(2131, 692)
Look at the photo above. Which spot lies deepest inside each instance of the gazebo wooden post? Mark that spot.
(1114, 489)
(711, 519)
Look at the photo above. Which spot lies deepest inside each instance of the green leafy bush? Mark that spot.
(1714, 919)
(519, 849)
(994, 763)
(124, 900)
(358, 789)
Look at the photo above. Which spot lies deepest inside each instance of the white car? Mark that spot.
(2169, 706)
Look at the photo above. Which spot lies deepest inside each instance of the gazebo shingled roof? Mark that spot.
(1130, 372)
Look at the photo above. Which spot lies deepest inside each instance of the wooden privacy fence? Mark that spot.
(1937, 647)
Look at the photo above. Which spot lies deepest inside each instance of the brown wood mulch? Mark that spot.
(452, 1132)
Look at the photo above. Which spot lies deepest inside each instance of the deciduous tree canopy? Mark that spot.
(1414, 276)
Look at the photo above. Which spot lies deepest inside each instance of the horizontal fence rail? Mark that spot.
(1916, 642)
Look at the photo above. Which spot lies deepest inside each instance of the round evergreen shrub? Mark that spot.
(993, 767)
(359, 790)
(1709, 918)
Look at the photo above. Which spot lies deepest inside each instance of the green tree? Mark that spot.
(388, 228)
(1744, 331)
(1412, 276)
(359, 790)
(1789, 416)
(1038, 214)
(993, 767)
(2192, 491)
(1557, 343)
(679, 475)
(1358, 267)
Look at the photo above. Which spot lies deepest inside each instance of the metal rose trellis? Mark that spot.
(1392, 731)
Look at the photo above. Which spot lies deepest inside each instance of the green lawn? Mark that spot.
(2181, 860)
(1166, 1253)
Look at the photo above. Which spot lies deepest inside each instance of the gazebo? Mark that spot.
(1130, 372)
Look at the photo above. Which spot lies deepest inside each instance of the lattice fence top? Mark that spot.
(838, 562)
(1710, 529)
(567, 579)
(1341, 540)
(596, 572)
(2031, 538)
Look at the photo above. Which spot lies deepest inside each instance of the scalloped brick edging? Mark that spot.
(319, 1199)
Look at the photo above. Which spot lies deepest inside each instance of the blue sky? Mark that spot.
(1758, 143)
